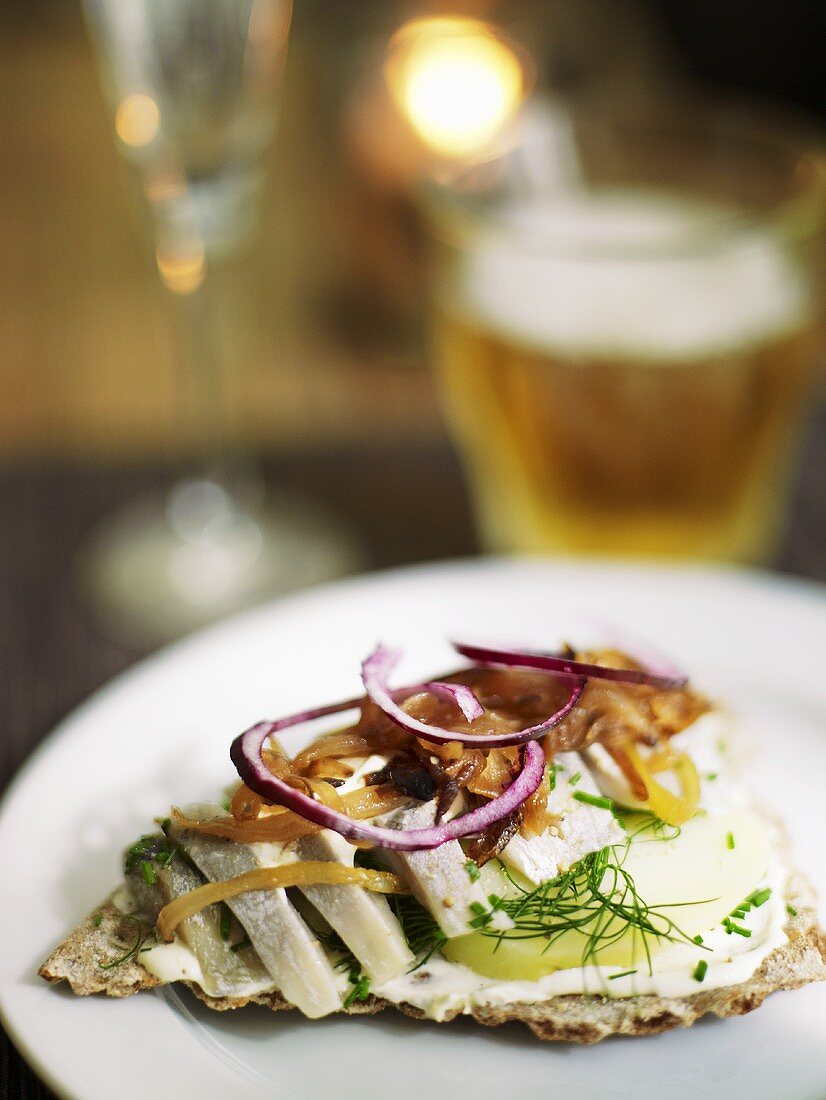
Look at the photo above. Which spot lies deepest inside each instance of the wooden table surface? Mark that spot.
(53, 654)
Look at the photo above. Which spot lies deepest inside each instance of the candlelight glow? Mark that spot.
(181, 271)
(456, 82)
(137, 120)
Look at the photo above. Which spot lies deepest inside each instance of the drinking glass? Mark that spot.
(626, 323)
(194, 89)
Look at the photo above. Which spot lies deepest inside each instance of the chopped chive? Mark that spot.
(790, 909)
(711, 776)
(226, 805)
(242, 943)
(495, 901)
(482, 918)
(166, 825)
(697, 939)
(730, 927)
(148, 872)
(624, 974)
(482, 921)
(226, 921)
(473, 871)
(730, 841)
(96, 919)
(738, 913)
(700, 970)
(360, 990)
(575, 778)
(761, 897)
(594, 800)
(552, 770)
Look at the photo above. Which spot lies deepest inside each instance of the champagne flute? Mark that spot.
(194, 88)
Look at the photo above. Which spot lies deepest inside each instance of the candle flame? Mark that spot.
(456, 81)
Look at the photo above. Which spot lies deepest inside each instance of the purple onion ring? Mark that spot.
(380, 664)
(546, 662)
(245, 754)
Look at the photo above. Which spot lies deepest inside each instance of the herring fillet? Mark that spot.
(362, 919)
(580, 828)
(287, 947)
(226, 973)
(437, 878)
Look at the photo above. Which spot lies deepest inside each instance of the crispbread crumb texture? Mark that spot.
(83, 958)
(573, 1018)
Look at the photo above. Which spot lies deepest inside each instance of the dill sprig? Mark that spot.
(424, 937)
(597, 897)
(345, 960)
(637, 822)
(332, 942)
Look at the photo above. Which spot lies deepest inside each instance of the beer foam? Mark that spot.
(637, 274)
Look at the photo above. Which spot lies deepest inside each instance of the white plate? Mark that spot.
(160, 734)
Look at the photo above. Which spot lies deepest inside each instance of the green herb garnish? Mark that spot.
(594, 800)
(424, 937)
(597, 897)
(624, 974)
(790, 909)
(225, 923)
(730, 927)
(473, 871)
(360, 983)
(700, 970)
(730, 841)
(482, 917)
(148, 852)
(575, 778)
(333, 943)
(711, 776)
(552, 770)
(143, 931)
(698, 940)
(760, 897)
(96, 919)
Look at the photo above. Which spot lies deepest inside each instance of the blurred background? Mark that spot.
(396, 298)
(320, 310)
(328, 378)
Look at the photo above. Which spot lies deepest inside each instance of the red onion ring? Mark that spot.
(459, 694)
(245, 754)
(379, 665)
(546, 662)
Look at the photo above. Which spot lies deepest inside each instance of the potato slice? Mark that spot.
(696, 880)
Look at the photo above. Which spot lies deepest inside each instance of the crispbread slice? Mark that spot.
(84, 959)
(106, 935)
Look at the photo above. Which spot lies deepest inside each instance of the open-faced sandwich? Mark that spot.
(552, 838)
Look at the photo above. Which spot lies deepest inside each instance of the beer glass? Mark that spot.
(626, 329)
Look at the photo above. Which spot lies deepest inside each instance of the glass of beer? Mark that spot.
(626, 330)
